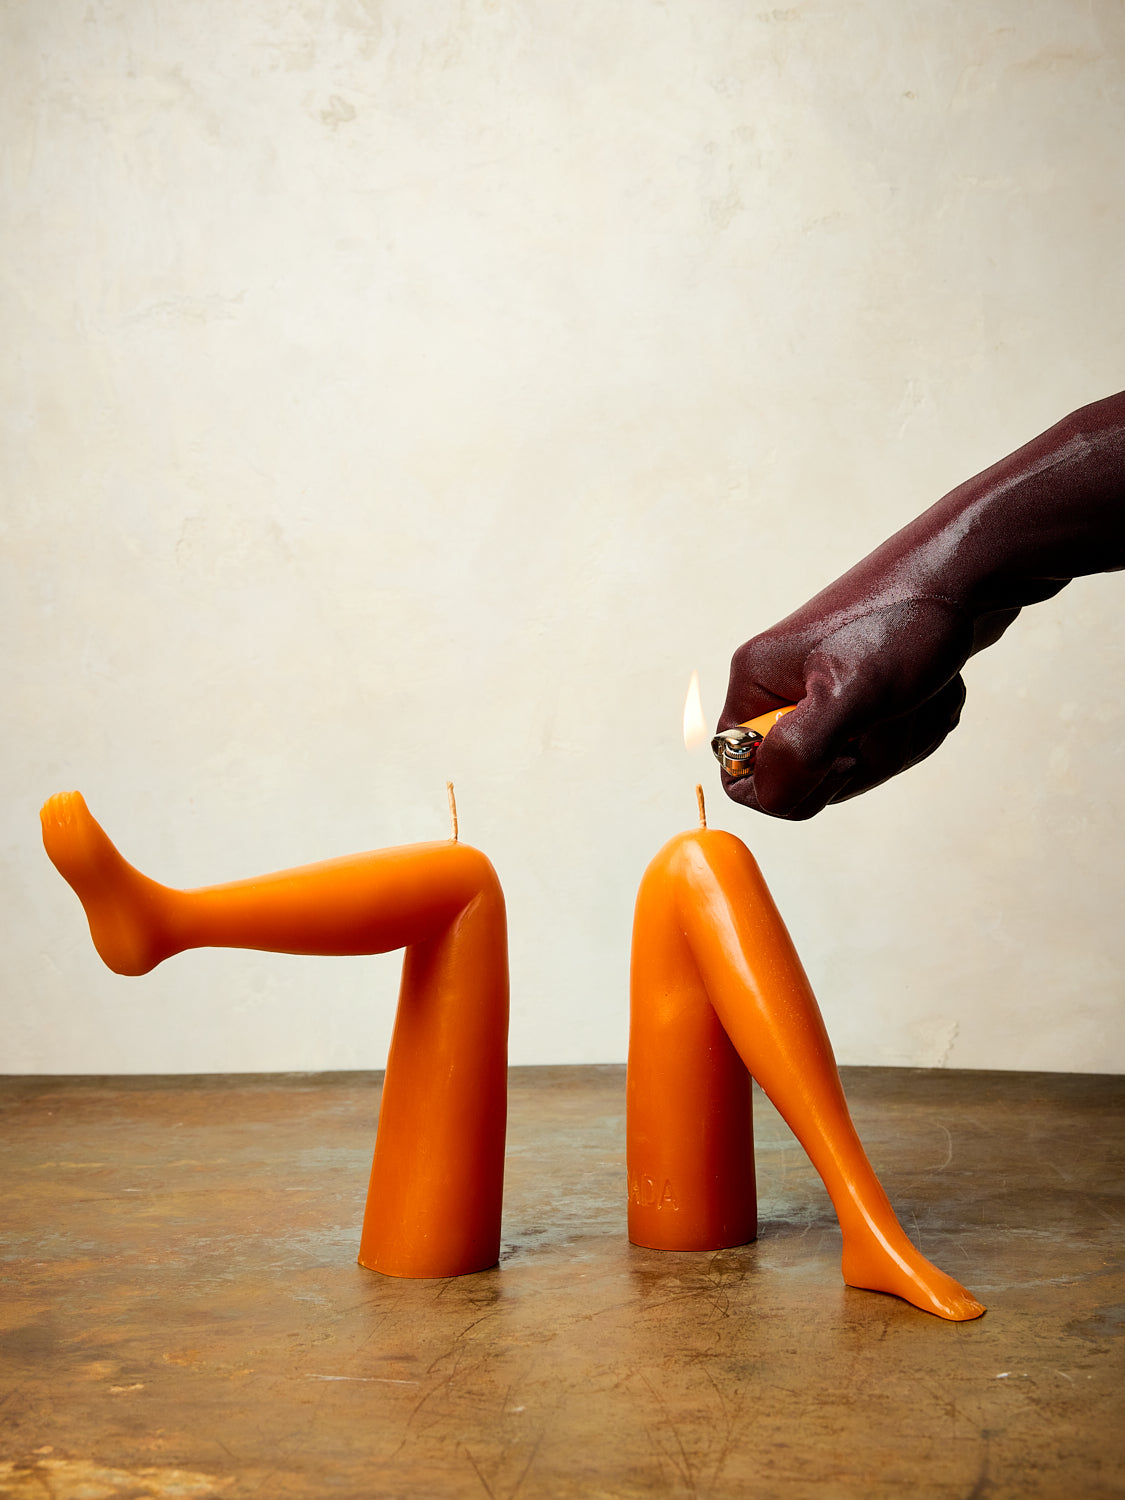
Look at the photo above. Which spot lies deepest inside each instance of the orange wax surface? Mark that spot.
(434, 1200)
(718, 995)
(437, 1179)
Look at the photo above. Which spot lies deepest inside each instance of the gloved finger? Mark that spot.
(903, 742)
(799, 774)
(744, 791)
(809, 754)
(876, 756)
(764, 674)
(876, 670)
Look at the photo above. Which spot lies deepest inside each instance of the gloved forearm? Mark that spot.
(1049, 512)
(874, 660)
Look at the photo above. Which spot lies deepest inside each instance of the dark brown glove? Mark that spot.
(874, 661)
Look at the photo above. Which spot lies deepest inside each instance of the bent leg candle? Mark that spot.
(434, 1200)
(719, 995)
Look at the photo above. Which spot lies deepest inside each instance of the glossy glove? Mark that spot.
(874, 661)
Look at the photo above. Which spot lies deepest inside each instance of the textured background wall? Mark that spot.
(401, 391)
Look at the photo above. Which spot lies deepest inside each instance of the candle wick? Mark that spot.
(452, 808)
(702, 806)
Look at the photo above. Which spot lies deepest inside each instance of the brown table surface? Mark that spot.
(181, 1312)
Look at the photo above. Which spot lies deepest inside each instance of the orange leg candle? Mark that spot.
(434, 1201)
(719, 995)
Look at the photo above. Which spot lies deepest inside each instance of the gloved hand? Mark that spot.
(874, 661)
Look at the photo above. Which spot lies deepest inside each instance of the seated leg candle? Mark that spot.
(434, 1200)
(718, 995)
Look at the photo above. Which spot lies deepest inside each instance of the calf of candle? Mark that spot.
(434, 1198)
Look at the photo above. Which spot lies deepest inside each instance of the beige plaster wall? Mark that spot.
(393, 392)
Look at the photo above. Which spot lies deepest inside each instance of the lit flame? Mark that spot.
(695, 725)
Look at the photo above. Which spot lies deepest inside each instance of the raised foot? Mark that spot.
(123, 907)
(894, 1266)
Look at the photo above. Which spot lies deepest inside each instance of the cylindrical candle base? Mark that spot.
(690, 1139)
(437, 1178)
